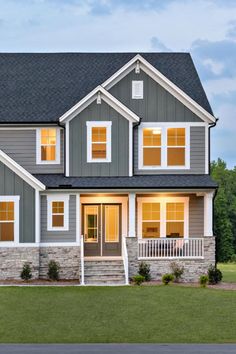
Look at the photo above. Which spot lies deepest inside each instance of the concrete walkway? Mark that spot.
(118, 348)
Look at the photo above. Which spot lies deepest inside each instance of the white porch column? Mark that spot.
(78, 219)
(208, 214)
(132, 214)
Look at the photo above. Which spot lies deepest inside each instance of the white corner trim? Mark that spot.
(78, 219)
(16, 200)
(207, 150)
(132, 214)
(90, 125)
(163, 201)
(60, 198)
(164, 82)
(21, 172)
(130, 149)
(163, 127)
(38, 147)
(106, 97)
(37, 216)
(67, 147)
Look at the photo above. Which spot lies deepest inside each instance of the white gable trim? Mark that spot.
(163, 81)
(21, 172)
(106, 97)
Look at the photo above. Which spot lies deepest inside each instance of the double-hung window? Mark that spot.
(9, 219)
(58, 213)
(99, 141)
(48, 146)
(163, 147)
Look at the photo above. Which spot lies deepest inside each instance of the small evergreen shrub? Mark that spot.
(53, 270)
(138, 279)
(233, 258)
(167, 278)
(203, 280)
(214, 275)
(26, 273)
(144, 270)
(177, 271)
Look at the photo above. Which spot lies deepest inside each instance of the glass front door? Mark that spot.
(102, 229)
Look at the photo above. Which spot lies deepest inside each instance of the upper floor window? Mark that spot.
(48, 146)
(163, 147)
(58, 213)
(137, 90)
(99, 141)
(9, 218)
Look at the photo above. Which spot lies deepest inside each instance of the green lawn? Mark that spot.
(116, 314)
(229, 272)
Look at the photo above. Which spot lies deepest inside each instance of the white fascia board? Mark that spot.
(21, 172)
(107, 97)
(164, 82)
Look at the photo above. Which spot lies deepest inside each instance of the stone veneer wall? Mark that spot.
(193, 268)
(12, 260)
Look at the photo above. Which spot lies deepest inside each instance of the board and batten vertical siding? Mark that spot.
(197, 154)
(119, 165)
(20, 145)
(58, 236)
(157, 105)
(12, 184)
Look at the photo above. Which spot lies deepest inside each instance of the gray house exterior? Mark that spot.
(104, 163)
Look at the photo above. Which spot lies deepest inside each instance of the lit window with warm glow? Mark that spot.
(152, 147)
(151, 220)
(174, 220)
(7, 220)
(98, 141)
(112, 223)
(176, 146)
(48, 146)
(57, 214)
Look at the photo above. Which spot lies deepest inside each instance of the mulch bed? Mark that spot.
(222, 285)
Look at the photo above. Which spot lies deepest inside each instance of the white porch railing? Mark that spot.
(82, 259)
(125, 260)
(171, 248)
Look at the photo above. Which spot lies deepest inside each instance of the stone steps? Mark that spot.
(104, 272)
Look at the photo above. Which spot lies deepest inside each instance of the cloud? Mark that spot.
(158, 45)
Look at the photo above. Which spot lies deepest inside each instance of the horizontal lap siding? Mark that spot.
(197, 154)
(20, 145)
(11, 184)
(196, 216)
(58, 236)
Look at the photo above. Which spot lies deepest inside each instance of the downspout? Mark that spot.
(135, 126)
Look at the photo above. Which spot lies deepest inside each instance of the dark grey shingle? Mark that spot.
(147, 182)
(41, 87)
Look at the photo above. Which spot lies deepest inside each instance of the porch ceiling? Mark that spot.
(59, 181)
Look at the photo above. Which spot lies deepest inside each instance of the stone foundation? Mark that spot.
(193, 268)
(12, 260)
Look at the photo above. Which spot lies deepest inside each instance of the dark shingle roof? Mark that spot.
(41, 87)
(135, 182)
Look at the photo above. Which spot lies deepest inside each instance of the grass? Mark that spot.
(154, 314)
(229, 272)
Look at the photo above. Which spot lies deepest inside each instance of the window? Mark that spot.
(112, 223)
(9, 219)
(48, 146)
(58, 210)
(151, 220)
(137, 90)
(99, 141)
(176, 146)
(91, 216)
(151, 147)
(163, 147)
(163, 217)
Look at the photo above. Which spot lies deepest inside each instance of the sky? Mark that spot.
(205, 28)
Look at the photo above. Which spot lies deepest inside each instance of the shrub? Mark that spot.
(233, 258)
(138, 279)
(203, 280)
(214, 275)
(144, 270)
(167, 278)
(177, 271)
(26, 272)
(53, 270)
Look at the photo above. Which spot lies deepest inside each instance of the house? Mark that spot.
(104, 162)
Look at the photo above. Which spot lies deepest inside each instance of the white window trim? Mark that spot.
(164, 127)
(38, 147)
(90, 125)
(140, 96)
(15, 199)
(58, 198)
(163, 202)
